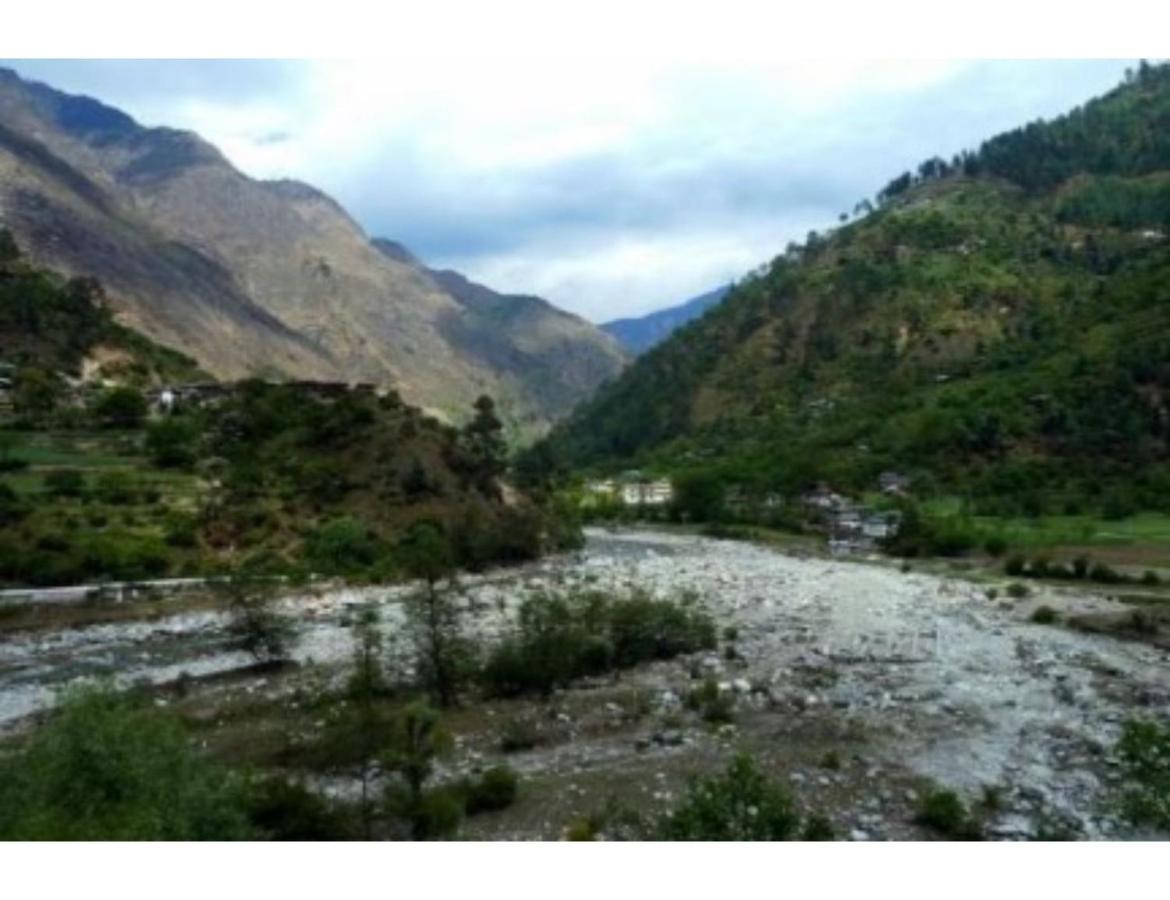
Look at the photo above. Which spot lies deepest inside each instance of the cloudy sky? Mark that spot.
(610, 187)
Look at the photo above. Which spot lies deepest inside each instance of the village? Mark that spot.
(849, 526)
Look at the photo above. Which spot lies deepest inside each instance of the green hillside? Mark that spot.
(56, 324)
(996, 326)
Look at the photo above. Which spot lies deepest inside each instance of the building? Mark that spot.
(894, 483)
(647, 493)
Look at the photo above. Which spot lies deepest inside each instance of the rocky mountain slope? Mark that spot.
(998, 325)
(640, 334)
(255, 277)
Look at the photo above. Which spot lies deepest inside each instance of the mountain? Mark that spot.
(640, 334)
(549, 356)
(249, 276)
(998, 327)
(50, 326)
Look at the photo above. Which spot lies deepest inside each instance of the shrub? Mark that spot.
(65, 483)
(1144, 754)
(495, 789)
(995, 546)
(283, 810)
(118, 488)
(1015, 566)
(342, 546)
(120, 407)
(1045, 615)
(1104, 574)
(257, 627)
(1080, 567)
(172, 443)
(714, 705)
(518, 735)
(563, 637)
(742, 804)
(1018, 591)
(1150, 578)
(818, 828)
(944, 812)
(106, 767)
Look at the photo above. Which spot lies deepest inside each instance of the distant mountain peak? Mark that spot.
(641, 333)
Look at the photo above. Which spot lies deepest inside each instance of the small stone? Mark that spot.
(858, 835)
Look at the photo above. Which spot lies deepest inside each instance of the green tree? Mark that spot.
(120, 407)
(483, 438)
(445, 657)
(256, 625)
(36, 392)
(417, 739)
(173, 442)
(699, 496)
(106, 767)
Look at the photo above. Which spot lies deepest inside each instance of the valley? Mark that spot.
(860, 686)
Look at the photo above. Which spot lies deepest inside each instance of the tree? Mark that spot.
(9, 251)
(120, 407)
(445, 657)
(483, 439)
(172, 442)
(108, 767)
(699, 496)
(36, 392)
(365, 724)
(417, 738)
(256, 626)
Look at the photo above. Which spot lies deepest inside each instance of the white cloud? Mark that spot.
(610, 185)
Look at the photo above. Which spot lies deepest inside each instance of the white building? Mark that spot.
(647, 493)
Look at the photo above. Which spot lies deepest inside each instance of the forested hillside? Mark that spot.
(997, 325)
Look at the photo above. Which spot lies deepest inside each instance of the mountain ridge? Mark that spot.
(639, 333)
(251, 277)
(996, 327)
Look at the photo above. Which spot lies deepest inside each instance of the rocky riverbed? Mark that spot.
(858, 682)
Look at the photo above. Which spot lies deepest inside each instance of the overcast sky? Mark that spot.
(611, 188)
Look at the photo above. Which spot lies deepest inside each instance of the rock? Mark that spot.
(741, 686)
(858, 835)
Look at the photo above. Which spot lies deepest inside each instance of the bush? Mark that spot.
(172, 443)
(995, 546)
(343, 546)
(65, 483)
(1103, 574)
(1018, 591)
(1150, 578)
(1015, 566)
(563, 637)
(1144, 754)
(715, 706)
(118, 488)
(518, 735)
(944, 812)
(495, 789)
(1045, 615)
(108, 768)
(283, 810)
(120, 407)
(1080, 567)
(742, 804)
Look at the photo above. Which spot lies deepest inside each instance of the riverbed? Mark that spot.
(926, 674)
